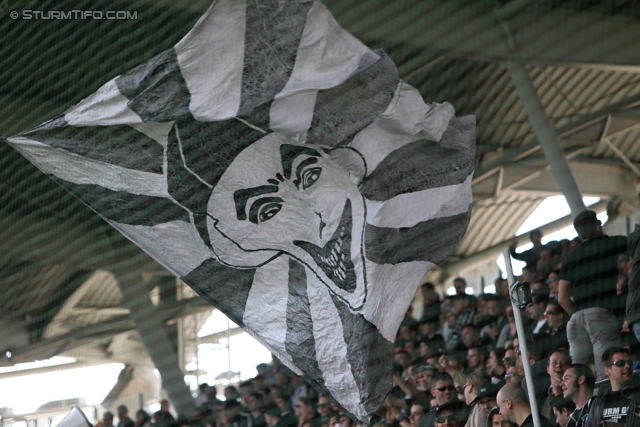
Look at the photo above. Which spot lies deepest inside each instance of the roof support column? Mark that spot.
(547, 136)
(155, 337)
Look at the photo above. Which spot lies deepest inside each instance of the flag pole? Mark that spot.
(524, 353)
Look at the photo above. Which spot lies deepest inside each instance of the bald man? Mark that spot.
(514, 406)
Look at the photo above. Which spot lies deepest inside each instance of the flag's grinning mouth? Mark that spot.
(335, 257)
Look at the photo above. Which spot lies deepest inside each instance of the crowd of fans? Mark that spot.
(460, 363)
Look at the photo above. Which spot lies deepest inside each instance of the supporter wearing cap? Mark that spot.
(513, 404)
(589, 274)
(474, 383)
(486, 398)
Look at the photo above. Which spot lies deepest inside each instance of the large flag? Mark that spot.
(283, 171)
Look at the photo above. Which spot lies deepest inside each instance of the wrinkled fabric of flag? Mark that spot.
(282, 169)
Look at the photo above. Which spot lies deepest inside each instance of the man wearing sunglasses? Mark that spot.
(618, 401)
(446, 417)
(445, 393)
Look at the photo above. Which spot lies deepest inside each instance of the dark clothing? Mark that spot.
(544, 422)
(127, 422)
(460, 408)
(579, 416)
(541, 381)
(633, 297)
(258, 421)
(592, 267)
(242, 420)
(530, 257)
(288, 420)
(554, 338)
(165, 420)
(465, 319)
(617, 407)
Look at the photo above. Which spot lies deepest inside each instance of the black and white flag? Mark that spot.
(282, 170)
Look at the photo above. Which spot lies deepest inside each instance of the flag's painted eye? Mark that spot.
(264, 209)
(310, 176)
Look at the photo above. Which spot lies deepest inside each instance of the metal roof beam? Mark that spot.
(587, 126)
(613, 180)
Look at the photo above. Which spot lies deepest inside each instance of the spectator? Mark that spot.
(416, 413)
(513, 404)
(254, 405)
(589, 274)
(272, 416)
(559, 361)
(233, 416)
(424, 375)
(556, 334)
(496, 419)
(486, 399)
(444, 393)
(535, 311)
(562, 409)
(531, 256)
(107, 419)
(476, 359)
(495, 367)
(446, 417)
(475, 381)
(287, 417)
(324, 406)
(460, 286)
(202, 394)
(633, 296)
(231, 393)
(123, 416)
(465, 310)
(163, 416)
(541, 379)
(618, 401)
(552, 282)
(142, 419)
(430, 300)
(307, 412)
(577, 385)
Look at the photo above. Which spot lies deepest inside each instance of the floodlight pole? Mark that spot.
(522, 339)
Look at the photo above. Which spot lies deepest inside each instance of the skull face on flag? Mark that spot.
(304, 192)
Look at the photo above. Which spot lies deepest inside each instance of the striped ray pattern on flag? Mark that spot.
(284, 172)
